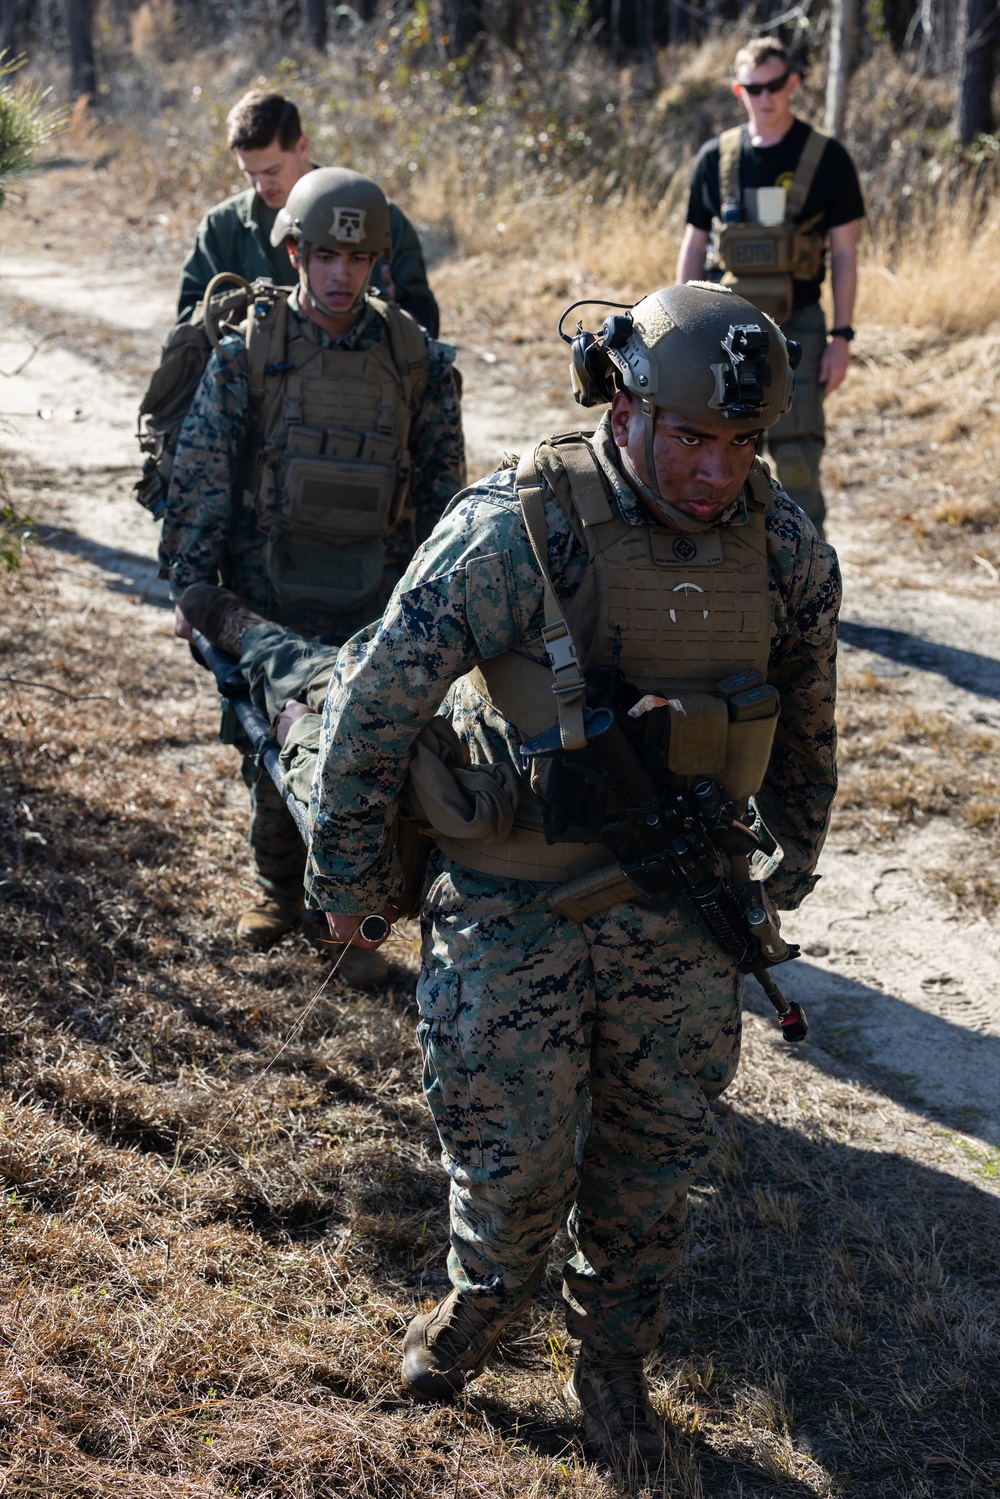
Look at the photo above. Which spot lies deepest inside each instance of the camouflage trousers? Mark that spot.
(569, 1070)
(278, 665)
(796, 441)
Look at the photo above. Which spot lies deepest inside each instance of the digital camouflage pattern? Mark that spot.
(538, 1034)
(276, 843)
(202, 543)
(569, 1067)
(235, 235)
(474, 591)
(281, 666)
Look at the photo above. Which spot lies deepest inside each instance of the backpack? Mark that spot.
(183, 359)
(190, 345)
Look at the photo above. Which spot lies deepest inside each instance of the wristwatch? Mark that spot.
(846, 332)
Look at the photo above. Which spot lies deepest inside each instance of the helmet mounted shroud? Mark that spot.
(697, 350)
(740, 384)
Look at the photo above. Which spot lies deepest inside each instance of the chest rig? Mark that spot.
(330, 477)
(760, 261)
(684, 618)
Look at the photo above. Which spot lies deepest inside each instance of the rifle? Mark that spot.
(665, 841)
(235, 696)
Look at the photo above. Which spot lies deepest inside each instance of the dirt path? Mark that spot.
(901, 984)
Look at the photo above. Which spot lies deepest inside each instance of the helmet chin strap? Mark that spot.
(651, 492)
(307, 294)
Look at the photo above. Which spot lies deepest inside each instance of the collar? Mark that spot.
(253, 212)
(627, 489)
(350, 340)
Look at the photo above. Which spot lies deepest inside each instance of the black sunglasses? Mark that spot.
(773, 85)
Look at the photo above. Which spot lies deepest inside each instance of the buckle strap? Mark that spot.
(568, 684)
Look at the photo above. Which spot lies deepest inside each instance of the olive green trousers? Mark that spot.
(796, 441)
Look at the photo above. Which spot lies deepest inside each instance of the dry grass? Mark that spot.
(903, 764)
(196, 1304)
(203, 1305)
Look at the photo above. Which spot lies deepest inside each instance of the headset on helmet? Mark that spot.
(601, 363)
(591, 372)
(697, 349)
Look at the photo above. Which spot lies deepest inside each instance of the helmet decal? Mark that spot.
(348, 225)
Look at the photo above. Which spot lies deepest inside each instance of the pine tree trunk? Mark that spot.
(8, 26)
(680, 22)
(614, 31)
(645, 42)
(80, 35)
(975, 69)
(315, 23)
(843, 15)
(463, 23)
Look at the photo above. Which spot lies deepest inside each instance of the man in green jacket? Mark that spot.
(265, 136)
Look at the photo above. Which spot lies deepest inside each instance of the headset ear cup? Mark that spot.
(580, 368)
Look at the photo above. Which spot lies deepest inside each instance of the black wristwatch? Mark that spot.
(847, 332)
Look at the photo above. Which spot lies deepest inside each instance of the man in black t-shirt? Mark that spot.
(819, 206)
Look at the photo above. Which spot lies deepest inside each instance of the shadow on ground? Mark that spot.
(939, 1068)
(968, 669)
(128, 572)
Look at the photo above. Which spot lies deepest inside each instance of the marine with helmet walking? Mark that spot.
(269, 146)
(323, 443)
(766, 198)
(575, 1027)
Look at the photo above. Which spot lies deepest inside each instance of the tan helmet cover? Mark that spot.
(336, 210)
(674, 354)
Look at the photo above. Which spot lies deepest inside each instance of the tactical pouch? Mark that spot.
(593, 894)
(699, 724)
(807, 252)
(757, 249)
(329, 499)
(753, 718)
(724, 735)
(772, 294)
(312, 577)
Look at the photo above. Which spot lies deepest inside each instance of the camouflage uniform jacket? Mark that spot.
(236, 236)
(474, 591)
(207, 535)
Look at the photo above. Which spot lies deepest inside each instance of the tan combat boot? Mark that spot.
(619, 1422)
(361, 967)
(218, 614)
(267, 920)
(446, 1347)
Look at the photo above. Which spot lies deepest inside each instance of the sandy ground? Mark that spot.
(901, 985)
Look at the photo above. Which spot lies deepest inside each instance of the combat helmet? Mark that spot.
(698, 350)
(335, 209)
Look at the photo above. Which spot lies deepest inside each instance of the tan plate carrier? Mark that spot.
(677, 613)
(330, 479)
(760, 261)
